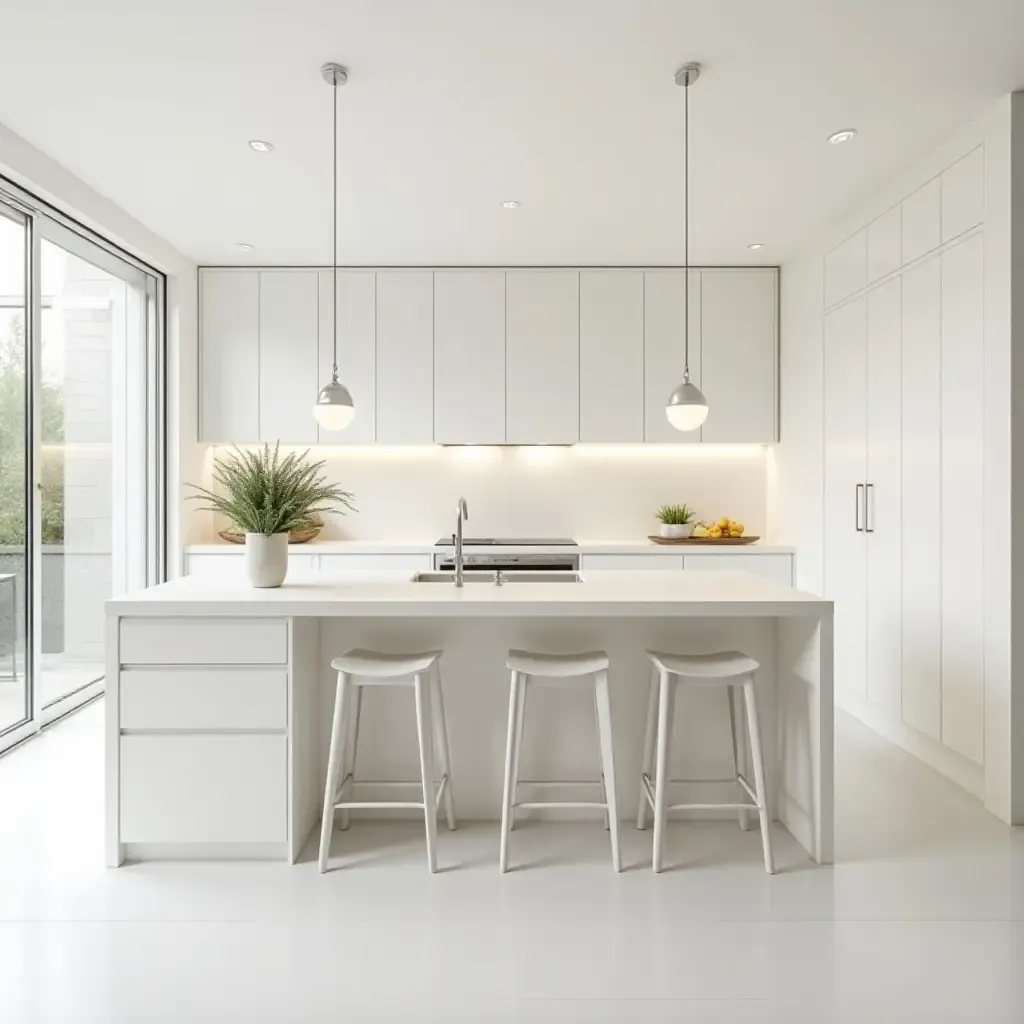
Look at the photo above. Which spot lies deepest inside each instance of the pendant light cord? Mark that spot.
(686, 232)
(335, 231)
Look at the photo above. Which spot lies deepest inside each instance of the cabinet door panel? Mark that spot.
(356, 350)
(963, 194)
(921, 217)
(229, 380)
(469, 357)
(884, 245)
(846, 268)
(739, 354)
(611, 355)
(845, 468)
(288, 360)
(542, 361)
(922, 494)
(883, 497)
(777, 568)
(963, 598)
(664, 358)
(405, 357)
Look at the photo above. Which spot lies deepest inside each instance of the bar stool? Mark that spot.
(729, 670)
(528, 667)
(357, 669)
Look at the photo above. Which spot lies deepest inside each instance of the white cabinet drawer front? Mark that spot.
(374, 563)
(197, 698)
(233, 564)
(777, 568)
(152, 641)
(631, 563)
(203, 789)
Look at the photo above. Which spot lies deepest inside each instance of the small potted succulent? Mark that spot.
(266, 495)
(676, 521)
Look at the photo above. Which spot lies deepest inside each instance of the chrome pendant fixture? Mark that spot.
(334, 408)
(687, 408)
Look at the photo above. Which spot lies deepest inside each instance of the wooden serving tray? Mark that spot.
(708, 541)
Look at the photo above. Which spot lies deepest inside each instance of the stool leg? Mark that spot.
(739, 754)
(666, 710)
(600, 759)
(423, 710)
(524, 683)
(757, 754)
(508, 794)
(441, 738)
(604, 725)
(334, 765)
(647, 763)
(353, 712)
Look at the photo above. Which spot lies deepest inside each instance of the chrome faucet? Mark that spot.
(463, 514)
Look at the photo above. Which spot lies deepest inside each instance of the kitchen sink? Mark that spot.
(475, 576)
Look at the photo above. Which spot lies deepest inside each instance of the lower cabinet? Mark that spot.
(231, 564)
(777, 568)
(632, 563)
(204, 788)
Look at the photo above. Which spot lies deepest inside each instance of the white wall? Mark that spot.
(796, 465)
(33, 170)
(591, 492)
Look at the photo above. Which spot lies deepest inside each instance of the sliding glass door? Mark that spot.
(81, 444)
(15, 676)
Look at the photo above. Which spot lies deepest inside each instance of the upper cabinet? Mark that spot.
(405, 357)
(664, 356)
(229, 382)
(469, 357)
(611, 374)
(846, 268)
(922, 216)
(963, 194)
(486, 356)
(542, 356)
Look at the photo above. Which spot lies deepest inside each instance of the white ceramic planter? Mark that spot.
(676, 531)
(266, 558)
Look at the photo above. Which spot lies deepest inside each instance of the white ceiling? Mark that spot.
(453, 106)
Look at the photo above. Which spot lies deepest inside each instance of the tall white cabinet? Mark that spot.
(903, 433)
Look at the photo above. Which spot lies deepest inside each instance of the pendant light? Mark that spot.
(334, 409)
(687, 408)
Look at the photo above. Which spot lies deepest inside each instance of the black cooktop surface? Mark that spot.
(519, 542)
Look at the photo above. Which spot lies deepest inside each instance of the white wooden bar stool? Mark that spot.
(728, 670)
(528, 667)
(357, 669)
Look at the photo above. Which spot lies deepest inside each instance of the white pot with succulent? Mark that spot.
(266, 496)
(676, 521)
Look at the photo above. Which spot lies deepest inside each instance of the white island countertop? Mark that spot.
(642, 594)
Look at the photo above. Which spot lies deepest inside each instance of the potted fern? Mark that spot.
(266, 495)
(676, 521)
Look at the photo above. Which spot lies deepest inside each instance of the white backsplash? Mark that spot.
(591, 492)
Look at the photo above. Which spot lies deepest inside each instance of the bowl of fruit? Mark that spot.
(719, 529)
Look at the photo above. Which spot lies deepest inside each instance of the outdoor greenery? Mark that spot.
(12, 444)
(675, 515)
(264, 492)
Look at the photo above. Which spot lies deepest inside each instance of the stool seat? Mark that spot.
(721, 665)
(557, 666)
(378, 665)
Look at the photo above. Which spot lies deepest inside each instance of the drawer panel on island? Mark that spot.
(777, 568)
(203, 789)
(198, 698)
(207, 641)
(632, 563)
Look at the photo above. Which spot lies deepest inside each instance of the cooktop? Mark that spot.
(519, 542)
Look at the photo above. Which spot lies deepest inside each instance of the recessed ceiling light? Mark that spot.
(511, 204)
(260, 146)
(756, 245)
(844, 136)
(245, 246)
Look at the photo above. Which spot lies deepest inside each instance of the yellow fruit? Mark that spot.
(715, 531)
(735, 533)
(738, 527)
(724, 523)
(700, 531)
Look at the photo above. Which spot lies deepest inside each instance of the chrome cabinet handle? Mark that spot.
(869, 508)
(857, 503)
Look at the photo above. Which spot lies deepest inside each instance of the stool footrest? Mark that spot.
(548, 783)
(561, 804)
(440, 787)
(648, 786)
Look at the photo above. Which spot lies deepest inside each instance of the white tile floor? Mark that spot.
(922, 919)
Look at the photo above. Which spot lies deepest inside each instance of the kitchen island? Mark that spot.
(219, 696)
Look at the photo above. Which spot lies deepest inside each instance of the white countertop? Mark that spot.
(645, 594)
(593, 547)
